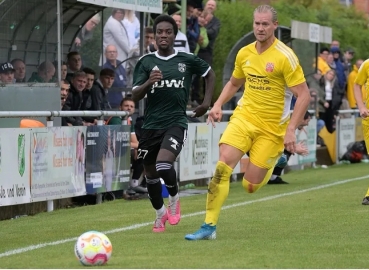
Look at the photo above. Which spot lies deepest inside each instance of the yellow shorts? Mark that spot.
(366, 136)
(264, 148)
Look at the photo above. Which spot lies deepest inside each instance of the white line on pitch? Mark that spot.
(136, 226)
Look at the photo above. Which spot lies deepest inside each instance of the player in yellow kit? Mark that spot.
(261, 123)
(363, 105)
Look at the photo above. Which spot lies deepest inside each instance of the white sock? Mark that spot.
(161, 212)
(134, 183)
(273, 177)
(173, 199)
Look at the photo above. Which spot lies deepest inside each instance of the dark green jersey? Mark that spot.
(167, 99)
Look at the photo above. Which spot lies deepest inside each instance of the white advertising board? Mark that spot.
(57, 156)
(346, 134)
(195, 160)
(14, 166)
(151, 6)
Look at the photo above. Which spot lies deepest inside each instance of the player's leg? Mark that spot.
(148, 149)
(366, 138)
(279, 167)
(171, 146)
(234, 142)
(264, 154)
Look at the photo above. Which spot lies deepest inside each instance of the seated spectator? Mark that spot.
(100, 91)
(44, 74)
(7, 73)
(63, 71)
(64, 91)
(74, 63)
(111, 54)
(86, 95)
(20, 70)
(74, 99)
(127, 104)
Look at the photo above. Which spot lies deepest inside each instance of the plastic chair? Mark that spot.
(31, 123)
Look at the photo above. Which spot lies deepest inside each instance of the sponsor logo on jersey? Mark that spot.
(168, 83)
(247, 63)
(181, 67)
(269, 67)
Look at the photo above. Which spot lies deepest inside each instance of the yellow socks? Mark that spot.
(367, 193)
(251, 188)
(217, 192)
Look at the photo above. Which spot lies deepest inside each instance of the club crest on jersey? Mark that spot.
(182, 67)
(269, 67)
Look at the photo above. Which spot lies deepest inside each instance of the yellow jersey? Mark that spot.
(362, 79)
(266, 100)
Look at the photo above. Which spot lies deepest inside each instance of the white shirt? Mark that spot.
(181, 42)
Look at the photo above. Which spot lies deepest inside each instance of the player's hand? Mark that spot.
(364, 112)
(290, 141)
(200, 110)
(301, 149)
(155, 76)
(215, 115)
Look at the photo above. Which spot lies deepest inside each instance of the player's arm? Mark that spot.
(360, 80)
(134, 141)
(302, 93)
(143, 79)
(229, 90)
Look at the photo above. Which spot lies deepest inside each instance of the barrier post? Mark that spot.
(50, 203)
(100, 122)
(337, 138)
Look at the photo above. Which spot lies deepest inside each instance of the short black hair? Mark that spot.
(88, 70)
(165, 18)
(107, 72)
(149, 30)
(125, 99)
(324, 49)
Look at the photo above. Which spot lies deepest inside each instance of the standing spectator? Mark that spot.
(340, 70)
(85, 33)
(7, 73)
(330, 61)
(44, 74)
(322, 60)
(20, 70)
(111, 55)
(100, 90)
(193, 30)
(181, 42)
(351, 82)
(132, 25)
(211, 6)
(74, 64)
(115, 33)
(346, 60)
(203, 40)
(335, 43)
(74, 99)
(149, 40)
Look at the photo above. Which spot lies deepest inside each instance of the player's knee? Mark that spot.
(250, 187)
(166, 172)
(151, 181)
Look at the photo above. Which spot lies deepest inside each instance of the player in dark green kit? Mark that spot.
(165, 77)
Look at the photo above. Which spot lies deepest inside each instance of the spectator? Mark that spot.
(203, 40)
(211, 6)
(181, 42)
(111, 55)
(350, 84)
(7, 73)
(149, 40)
(20, 70)
(132, 25)
(193, 30)
(63, 70)
(44, 74)
(340, 70)
(74, 99)
(74, 64)
(86, 95)
(330, 61)
(116, 34)
(64, 90)
(335, 43)
(346, 60)
(322, 60)
(85, 33)
(100, 90)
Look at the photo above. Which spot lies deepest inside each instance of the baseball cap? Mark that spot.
(6, 67)
(350, 50)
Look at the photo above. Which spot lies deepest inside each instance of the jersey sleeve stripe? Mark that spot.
(290, 56)
(134, 87)
(206, 72)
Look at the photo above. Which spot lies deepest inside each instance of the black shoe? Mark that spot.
(365, 201)
(278, 180)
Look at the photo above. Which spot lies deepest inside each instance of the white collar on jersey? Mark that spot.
(168, 57)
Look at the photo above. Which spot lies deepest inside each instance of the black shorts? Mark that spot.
(152, 140)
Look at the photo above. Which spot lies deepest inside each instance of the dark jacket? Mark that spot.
(99, 98)
(87, 105)
(212, 29)
(73, 103)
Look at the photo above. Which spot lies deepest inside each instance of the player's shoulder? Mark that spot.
(246, 50)
(364, 65)
(186, 54)
(147, 57)
(283, 53)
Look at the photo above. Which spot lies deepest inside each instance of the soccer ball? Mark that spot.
(93, 248)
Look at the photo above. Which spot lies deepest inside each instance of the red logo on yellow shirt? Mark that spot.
(269, 67)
